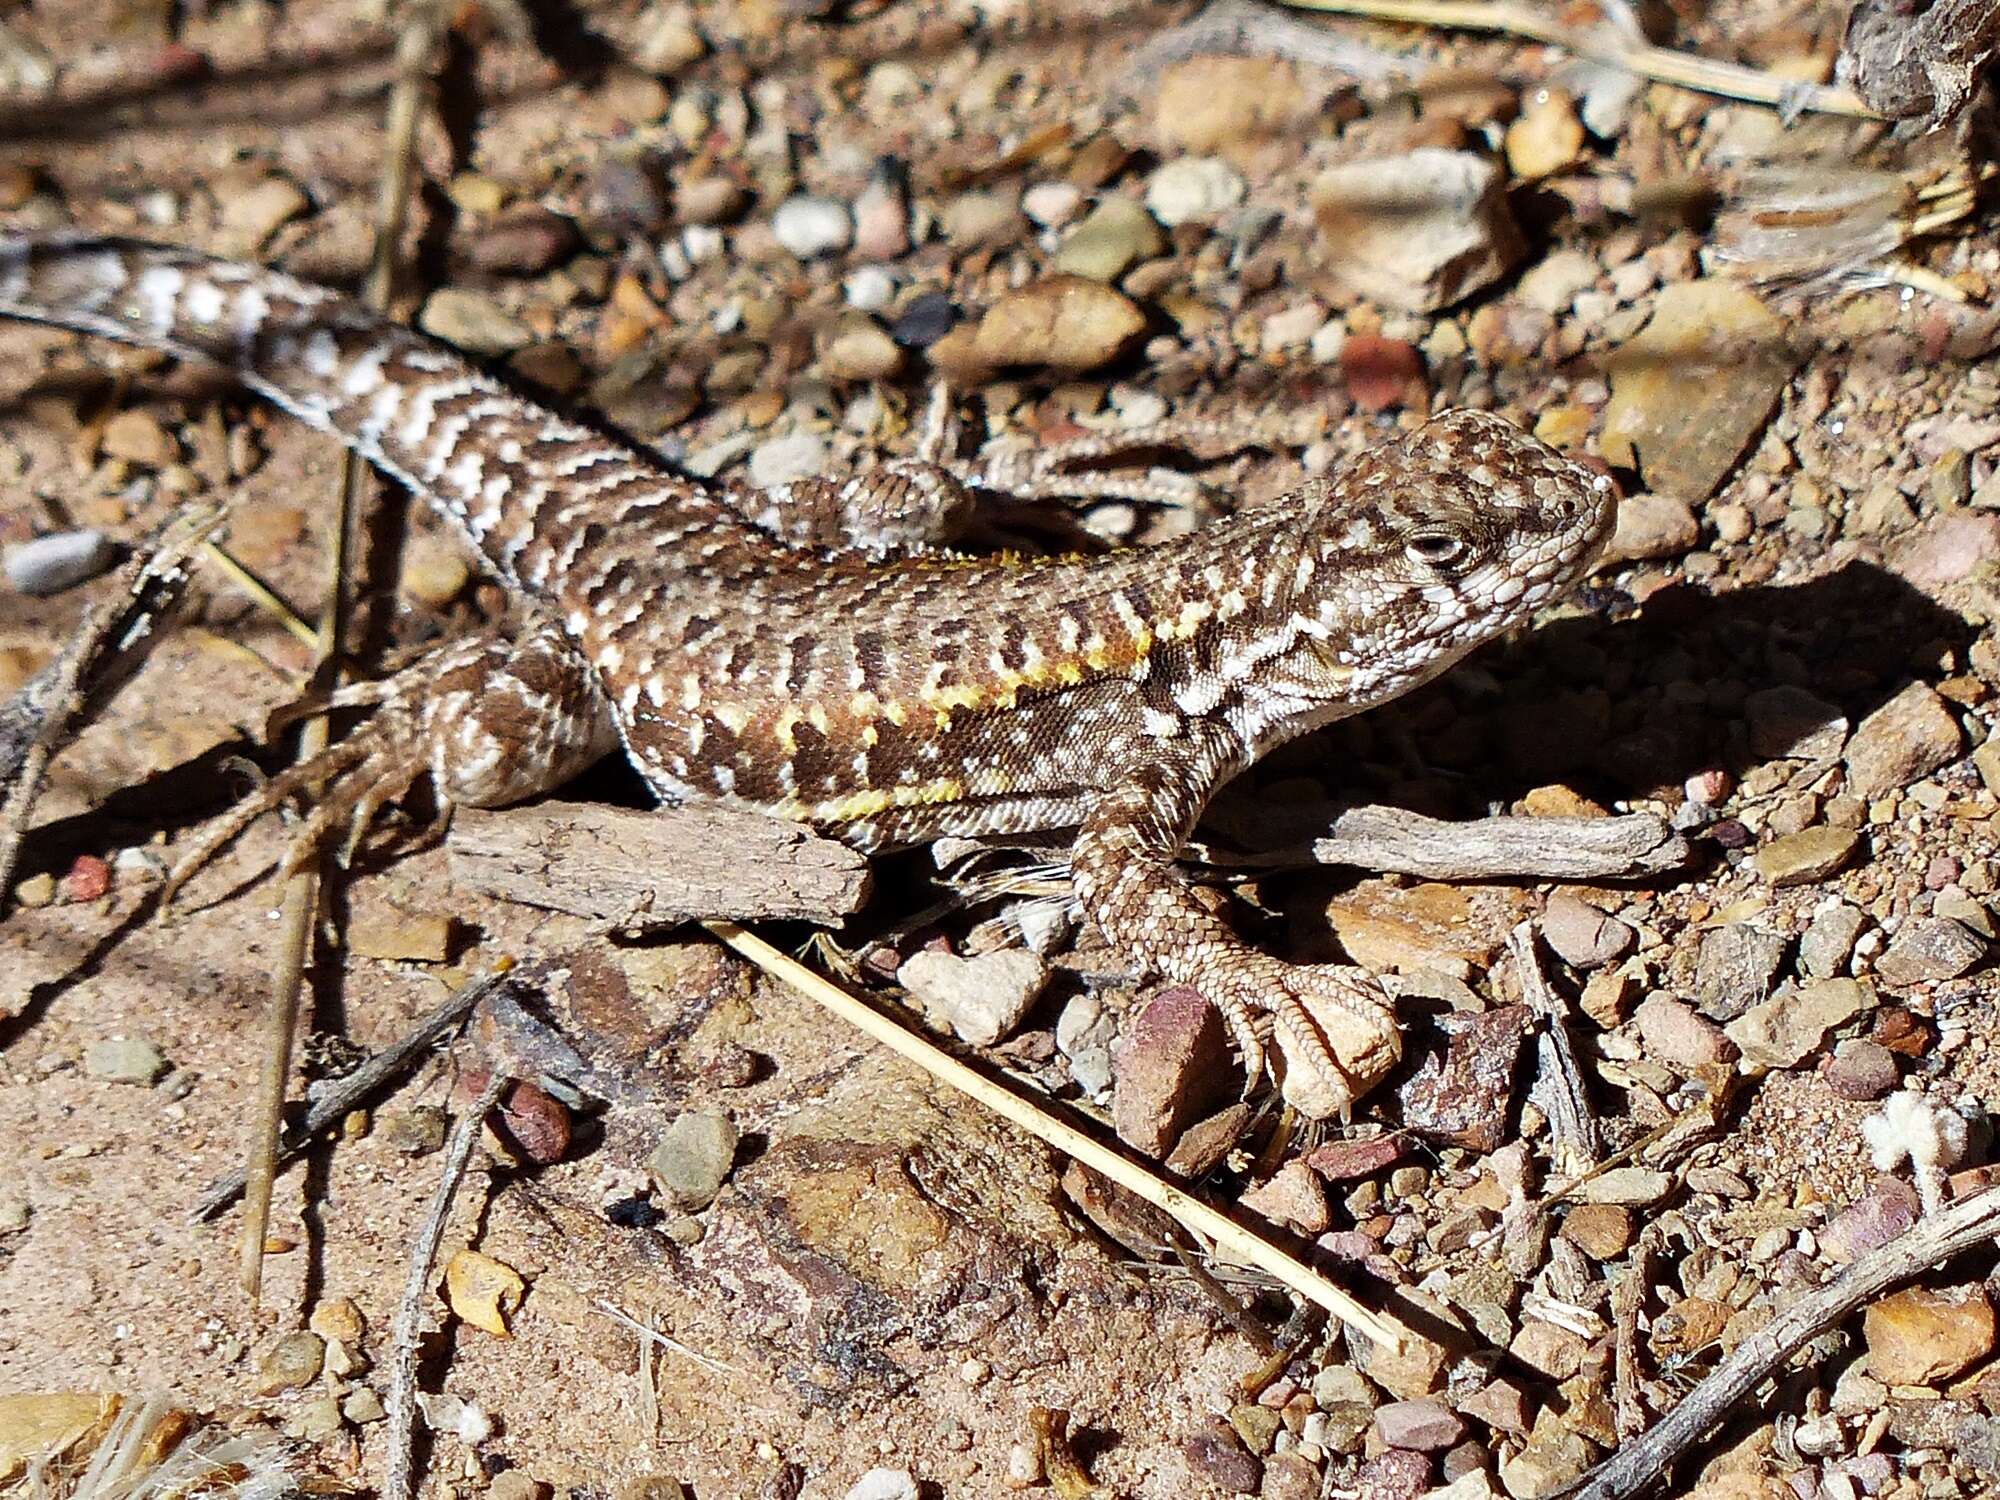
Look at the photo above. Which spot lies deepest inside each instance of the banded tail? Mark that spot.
(523, 484)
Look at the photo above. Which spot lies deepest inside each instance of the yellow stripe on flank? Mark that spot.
(788, 717)
(859, 805)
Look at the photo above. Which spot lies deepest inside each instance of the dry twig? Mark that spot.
(416, 53)
(1610, 45)
(1193, 1215)
(1930, 1242)
(347, 1093)
(1559, 1086)
(37, 721)
(401, 1398)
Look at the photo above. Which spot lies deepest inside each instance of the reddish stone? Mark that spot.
(1382, 373)
(88, 879)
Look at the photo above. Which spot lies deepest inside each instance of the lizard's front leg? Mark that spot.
(1333, 1024)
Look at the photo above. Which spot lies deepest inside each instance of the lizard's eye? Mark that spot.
(1445, 551)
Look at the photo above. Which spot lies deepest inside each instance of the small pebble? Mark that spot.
(1930, 948)
(1582, 936)
(884, 1484)
(981, 220)
(314, 1421)
(1810, 855)
(294, 1360)
(1382, 373)
(125, 1060)
(869, 288)
(251, 215)
(982, 999)
(1418, 231)
(1064, 322)
(788, 457)
(1921, 1335)
(1789, 721)
(1907, 738)
(1546, 137)
(858, 348)
(1052, 204)
(1652, 526)
(523, 242)
(693, 1158)
(1193, 187)
(1673, 1034)
(61, 560)
(473, 322)
(928, 318)
(88, 879)
(1113, 237)
(627, 197)
(1861, 1070)
(1829, 939)
(709, 200)
(139, 437)
(417, 1131)
(810, 227)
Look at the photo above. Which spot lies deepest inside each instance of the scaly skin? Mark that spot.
(842, 673)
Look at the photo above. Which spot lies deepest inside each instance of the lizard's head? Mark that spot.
(1425, 548)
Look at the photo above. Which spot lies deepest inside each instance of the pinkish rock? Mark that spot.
(1426, 1424)
(1171, 1069)
(1888, 1208)
(1343, 1161)
(1673, 1034)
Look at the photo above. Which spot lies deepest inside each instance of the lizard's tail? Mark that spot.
(486, 458)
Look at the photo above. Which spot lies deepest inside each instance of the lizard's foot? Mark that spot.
(1334, 1026)
(490, 720)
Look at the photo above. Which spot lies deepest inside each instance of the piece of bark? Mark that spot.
(1918, 67)
(110, 641)
(658, 868)
(1391, 840)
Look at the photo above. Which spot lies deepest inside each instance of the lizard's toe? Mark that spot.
(1335, 1032)
(1337, 1035)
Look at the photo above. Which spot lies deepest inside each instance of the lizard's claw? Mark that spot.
(1334, 1027)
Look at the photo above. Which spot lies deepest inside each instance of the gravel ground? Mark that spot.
(754, 235)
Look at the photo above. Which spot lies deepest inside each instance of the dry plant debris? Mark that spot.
(1714, 1121)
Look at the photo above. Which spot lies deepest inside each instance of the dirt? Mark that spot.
(890, 1279)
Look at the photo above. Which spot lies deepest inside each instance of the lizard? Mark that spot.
(812, 652)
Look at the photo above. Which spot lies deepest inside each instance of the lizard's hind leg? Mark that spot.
(491, 721)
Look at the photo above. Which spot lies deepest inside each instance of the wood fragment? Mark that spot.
(1066, 1475)
(1613, 47)
(43, 715)
(417, 51)
(349, 1092)
(400, 1400)
(656, 868)
(1922, 67)
(1394, 841)
(1559, 1088)
(1628, 1299)
(1969, 1223)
